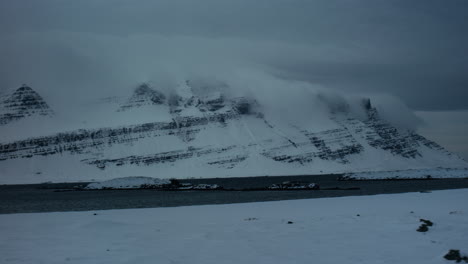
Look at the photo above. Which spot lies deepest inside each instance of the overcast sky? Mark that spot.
(415, 50)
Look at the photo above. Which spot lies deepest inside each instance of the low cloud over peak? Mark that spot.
(414, 50)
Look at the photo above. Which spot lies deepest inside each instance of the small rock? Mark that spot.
(427, 222)
(455, 256)
(290, 222)
(422, 228)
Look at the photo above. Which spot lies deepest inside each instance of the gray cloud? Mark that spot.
(448, 128)
(415, 50)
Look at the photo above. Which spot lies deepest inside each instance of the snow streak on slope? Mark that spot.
(188, 134)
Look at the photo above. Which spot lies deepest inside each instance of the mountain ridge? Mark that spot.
(216, 136)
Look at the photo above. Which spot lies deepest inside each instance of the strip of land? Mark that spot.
(60, 197)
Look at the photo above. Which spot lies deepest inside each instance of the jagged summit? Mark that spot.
(366, 103)
(22, 103)
(185, 100)
(144, 95)
(27, 100)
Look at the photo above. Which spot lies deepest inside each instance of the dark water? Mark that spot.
(60, 197)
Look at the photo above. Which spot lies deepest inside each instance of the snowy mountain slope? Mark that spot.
(185, 134)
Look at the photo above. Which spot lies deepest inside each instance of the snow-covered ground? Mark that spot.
(365, 229)
(438, 173)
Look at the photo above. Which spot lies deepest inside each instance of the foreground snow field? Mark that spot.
(364, 229)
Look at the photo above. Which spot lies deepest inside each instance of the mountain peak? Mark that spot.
(23, 102)
(23, 88)
(366, 103)
(144, 95)
(143, 89)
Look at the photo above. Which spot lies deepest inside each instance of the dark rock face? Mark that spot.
(346, 144)
(214, 103)
(90, 140)
(335, 145)
(144, 95)
(341, 143)
(243, 105)
(22, 103)
(163, 157)
(387, 137)
(366, 103)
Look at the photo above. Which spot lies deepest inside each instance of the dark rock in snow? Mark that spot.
(455, 256)
(425, 226)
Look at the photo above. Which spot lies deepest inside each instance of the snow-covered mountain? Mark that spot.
(186, 133)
